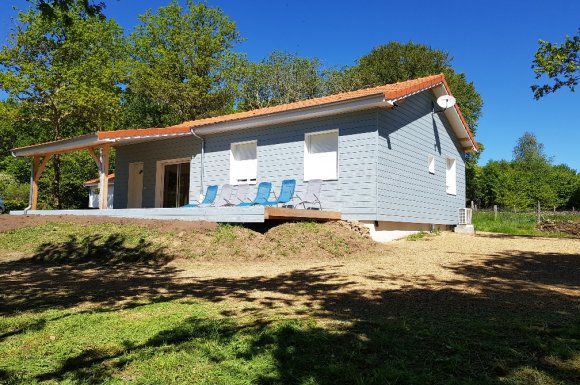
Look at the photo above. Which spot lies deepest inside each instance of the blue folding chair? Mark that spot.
(210, 195)
(262, 196)
(286, 193)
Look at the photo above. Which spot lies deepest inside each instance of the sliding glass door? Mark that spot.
(175, 184)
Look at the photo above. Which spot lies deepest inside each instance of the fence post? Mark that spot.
(495, 212)
(472, 205)
(538, 211)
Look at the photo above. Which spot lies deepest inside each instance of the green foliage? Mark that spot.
(63, 77)
(516, 223)
(560, 63)
(281, 78)
(18, 204)
(528, 179)
(395, 62)
(182, 61)
(417, 236)
(53, 8)
(225, 232)
(12, 191)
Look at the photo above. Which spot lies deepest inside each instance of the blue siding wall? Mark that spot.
(383, 167)
(407, 192)
(281, 156)
(149, 153)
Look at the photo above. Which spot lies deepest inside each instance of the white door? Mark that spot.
(135, 193)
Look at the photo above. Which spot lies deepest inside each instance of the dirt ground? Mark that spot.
(450, 272)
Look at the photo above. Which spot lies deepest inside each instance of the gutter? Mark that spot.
(201, 169)
(30, 189)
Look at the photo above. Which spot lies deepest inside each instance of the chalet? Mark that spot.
(387, 155)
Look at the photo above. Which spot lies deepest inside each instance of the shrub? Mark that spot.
(15, 205)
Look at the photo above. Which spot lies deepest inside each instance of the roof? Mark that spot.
(95, 182)
(381, 96)
(389, 92)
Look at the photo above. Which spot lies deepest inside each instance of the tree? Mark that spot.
(182, 60)
(64, 78)
(529, 151)
(560, 62)
(281, 78)
(57, 8)
(395, 62)
(532, 168)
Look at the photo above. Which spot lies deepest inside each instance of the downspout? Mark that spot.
(201, 169)
(30, 189)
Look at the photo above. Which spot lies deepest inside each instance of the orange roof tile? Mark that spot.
(390, 91)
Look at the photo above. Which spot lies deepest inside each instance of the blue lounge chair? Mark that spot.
(210, 195)
(286, 193)
(222, 198)
(262, 196)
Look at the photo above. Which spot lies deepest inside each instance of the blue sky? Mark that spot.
(492, 42)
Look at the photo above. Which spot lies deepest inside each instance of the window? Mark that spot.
(244, 163)
(431, 163)
(451, 176)
(321, 155)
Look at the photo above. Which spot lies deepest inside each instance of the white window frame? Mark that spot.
(234, 180)
(160, 177)
(431, 163)
(451, 176)
(307, 162)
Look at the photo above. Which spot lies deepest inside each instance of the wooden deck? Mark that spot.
(300, 214)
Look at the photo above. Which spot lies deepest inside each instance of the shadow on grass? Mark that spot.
(94, 269)
(495, 318)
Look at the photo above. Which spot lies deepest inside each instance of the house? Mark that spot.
(386, 155)
(93, 186)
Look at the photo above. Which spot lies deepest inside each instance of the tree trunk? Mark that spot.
(539, 219)
(56, 182)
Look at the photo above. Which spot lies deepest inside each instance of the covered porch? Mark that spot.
(98, 145)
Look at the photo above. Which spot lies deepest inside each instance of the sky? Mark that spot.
(492, 42)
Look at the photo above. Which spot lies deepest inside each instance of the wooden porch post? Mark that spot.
(104, 178)
(100, 160)
(37, 170)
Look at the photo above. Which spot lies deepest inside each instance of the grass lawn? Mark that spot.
(122, 306)
(516, 223)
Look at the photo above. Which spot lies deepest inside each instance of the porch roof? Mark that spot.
(99, 138)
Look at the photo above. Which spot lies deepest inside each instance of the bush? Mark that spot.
(15, 205)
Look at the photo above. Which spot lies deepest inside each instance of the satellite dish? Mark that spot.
(445, 101)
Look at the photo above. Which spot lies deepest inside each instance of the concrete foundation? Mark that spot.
(389, 231)
(464, 229)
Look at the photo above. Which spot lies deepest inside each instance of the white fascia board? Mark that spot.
(335, 108)
(453, 117)
(63, 145)
(148, 138)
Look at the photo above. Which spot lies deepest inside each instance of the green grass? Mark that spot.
(33, 238)
(177, 342)
(516, 223)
